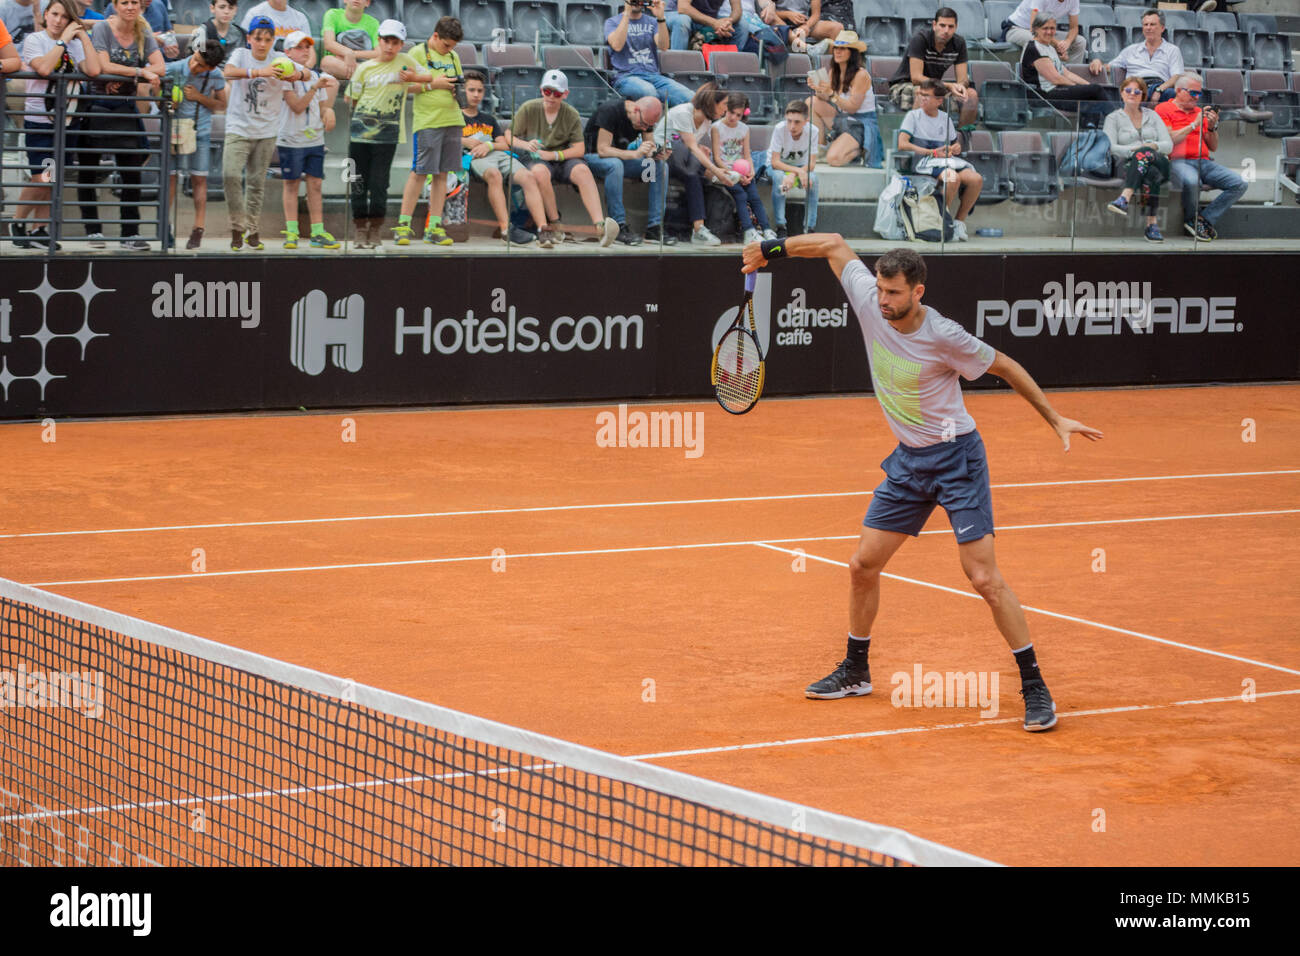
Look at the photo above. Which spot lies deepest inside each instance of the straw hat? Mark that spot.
(849, 39)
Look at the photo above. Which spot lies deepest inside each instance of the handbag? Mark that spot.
(184, 136)
(923, 218)
(1088, 155)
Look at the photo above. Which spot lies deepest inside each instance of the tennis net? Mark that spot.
(124, 742)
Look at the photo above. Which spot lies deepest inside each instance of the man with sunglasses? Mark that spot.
(1194, 131)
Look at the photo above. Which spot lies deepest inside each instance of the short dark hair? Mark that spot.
(737, 101)
(934, 86)
(212, 55)
(905, 262)
(1154, 13)
(476, 75)
(449, 29)
(945, 12)
(798, 107)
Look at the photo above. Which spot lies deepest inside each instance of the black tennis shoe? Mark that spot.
(1040, 709)
(845, 681)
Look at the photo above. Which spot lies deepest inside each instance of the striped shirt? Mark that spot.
(1137, 60)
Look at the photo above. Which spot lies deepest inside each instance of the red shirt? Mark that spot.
(1176, 118)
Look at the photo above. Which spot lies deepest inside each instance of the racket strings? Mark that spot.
(739, 371)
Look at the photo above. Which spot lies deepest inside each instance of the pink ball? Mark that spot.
(742, 166)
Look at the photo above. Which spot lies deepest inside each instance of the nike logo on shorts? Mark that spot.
(965, 529)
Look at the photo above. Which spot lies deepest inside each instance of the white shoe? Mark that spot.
(821, 48)
(96, 240)
(702, 237)
(610, 233)
(959, 231)
(769, 235)
(752, 235)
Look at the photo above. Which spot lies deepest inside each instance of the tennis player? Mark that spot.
(916, 355)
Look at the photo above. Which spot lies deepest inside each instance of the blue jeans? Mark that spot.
(749, 206)
(637, 85)
(1188, 174)
(613, 171)
(768, 44)
(778, 200)
(679, 30)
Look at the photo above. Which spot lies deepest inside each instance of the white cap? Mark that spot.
(295, 40)
(555, 80)
(393, 28)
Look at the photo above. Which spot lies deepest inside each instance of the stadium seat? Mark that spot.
(1131, 3)
(1230, 50)
(584, 22)
(1030, 168)
(588, 88)
(313, 10)
(1005, 104)
(1081, 70)
(1217, 21)
(483, 20)
(536, 20)
(796, 64)
(885, 36)
(758, 87)
(872, 8)
(383, 10)
(1095, 15)
(693, 79)
(1130, 18)
(1227, 90)
(515, 85)
(1106, 41)
(1270, 51)
(970, 20)
(564, 57)
(1252, 23)
(881, 69)
(992, 165)
(983, 70)
(1287, 174)
(995, 11)
(671, 61)
(759, 139)
(1194, 45)
(512, 54)
(421, 16)
(793, 86)
(1180, 20)
(1060, 142)
(724, 62)
(1269, 90)
(468, 53)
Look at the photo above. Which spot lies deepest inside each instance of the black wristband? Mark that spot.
(772, 248)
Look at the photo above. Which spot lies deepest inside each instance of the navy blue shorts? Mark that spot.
(40, 145)
(952, 474)
(294, 161)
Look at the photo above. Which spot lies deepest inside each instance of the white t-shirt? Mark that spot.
(34, 46)
(915, 375)
(253, 106)
(1023, 16)
(731, 142)
(300, 130)
(681, 119)
(286, 21)
(931, 132)
(791, 151)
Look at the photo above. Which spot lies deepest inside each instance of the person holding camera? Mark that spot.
(437, 123)
(1195, 136)
(634, 43)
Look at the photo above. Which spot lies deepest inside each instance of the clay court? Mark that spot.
(501, 562)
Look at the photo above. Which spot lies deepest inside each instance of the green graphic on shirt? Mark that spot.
(898, 385)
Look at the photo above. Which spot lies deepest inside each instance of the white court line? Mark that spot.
(863, 735)
(615, 504)
(1039, 610)
(629, 550)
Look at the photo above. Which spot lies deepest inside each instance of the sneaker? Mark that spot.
(1200, 231)
(1040, 709)
(291, 240)
(558, 232)
(1118, 206)
(40, 239)
(1153, 233)
(844, 681)
(18, 235)
(434, 236)
(959, 233)
(656, 235)
(626, 237)
(782, 233)
(1209, 6)
(402, 235)
(702, 237)
(769, 235)
(611, 229)
(323, 240)
(135, 244)
(236, 240)
(520, 237)
(546, 237)
(196, 239)
(96, 240)
(751, 235)
(253, 241)
(1204, 223)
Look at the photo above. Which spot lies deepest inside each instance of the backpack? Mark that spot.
(889, 215)
(1088, 155)
(923, 218)
(720, 214)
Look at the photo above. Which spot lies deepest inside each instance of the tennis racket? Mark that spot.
(738, 368)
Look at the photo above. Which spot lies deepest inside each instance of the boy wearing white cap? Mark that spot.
(305, 117)
(547, 133)
(437, 123)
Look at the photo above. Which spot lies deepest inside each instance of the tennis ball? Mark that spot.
(284, 66)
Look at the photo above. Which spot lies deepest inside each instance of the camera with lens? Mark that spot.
(639, 4)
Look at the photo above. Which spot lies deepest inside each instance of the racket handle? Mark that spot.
(750, 281)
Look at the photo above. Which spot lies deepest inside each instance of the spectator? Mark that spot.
(845, 105)
(1140, 142)
(222, 28)
(486, 143)
(930, 133)
(1020, 28)
(1195, 135)
(306, 115)
(756, 35)
(1157, 61)
(377, 95)
(204, 89)
(1041, 70)
(285, 18)
(61, 46)
(686, 129)
(932, 52)
(18, 17)
(159, 19)
(438, 124)
(349, 35)
(252, 123)
(130, 64)
(86, 12)
(802, 17)
(731, 152)
(679, 26)
(634, 43)
(792, 153)
(550, 130)
(608, 140)
(708, 20)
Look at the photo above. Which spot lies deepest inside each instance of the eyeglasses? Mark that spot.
(1133, 89)
(1195, 94)
(555, 93)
